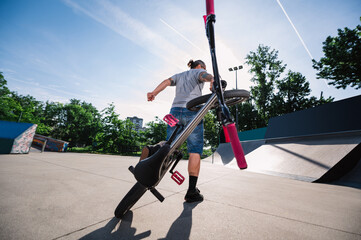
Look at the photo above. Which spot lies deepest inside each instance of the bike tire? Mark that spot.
(134, 194)
(231, 97)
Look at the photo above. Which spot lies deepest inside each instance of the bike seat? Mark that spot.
(147, 171)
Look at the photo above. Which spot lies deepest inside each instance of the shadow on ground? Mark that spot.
(181, 227)
(118, 229)
(122, 229)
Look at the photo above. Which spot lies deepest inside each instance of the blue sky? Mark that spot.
(104, 51)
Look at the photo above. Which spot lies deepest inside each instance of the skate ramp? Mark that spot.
(314, 159)
(16, 137)
(49, 144)
(320, 144)
(224, 153)
(322, 158)
(352, 178)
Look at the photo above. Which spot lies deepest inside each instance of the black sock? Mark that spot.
(192, 183)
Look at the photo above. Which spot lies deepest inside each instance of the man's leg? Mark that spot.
(194, 164)
(195, 149)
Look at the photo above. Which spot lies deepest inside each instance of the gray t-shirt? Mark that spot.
(188, 86)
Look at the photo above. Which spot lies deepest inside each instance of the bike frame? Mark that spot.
(182, 137)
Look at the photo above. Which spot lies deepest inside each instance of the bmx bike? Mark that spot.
(150, 171)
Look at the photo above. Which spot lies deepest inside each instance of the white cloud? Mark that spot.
(114, 18)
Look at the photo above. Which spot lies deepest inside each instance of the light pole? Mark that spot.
(236, 69)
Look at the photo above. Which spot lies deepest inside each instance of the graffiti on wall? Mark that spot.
(23, 142)
(52, 144)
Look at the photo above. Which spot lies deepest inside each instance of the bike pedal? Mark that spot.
(177, 177)
(171, 120)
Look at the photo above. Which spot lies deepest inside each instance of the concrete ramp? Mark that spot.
(16, 137)
(319, 144)
(352, 178)
(314, 158)
(224, 153)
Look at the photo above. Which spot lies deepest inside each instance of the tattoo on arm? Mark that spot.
(168, 81)
(205, 77)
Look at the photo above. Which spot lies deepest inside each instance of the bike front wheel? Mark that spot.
(134, 194)
(231, 97)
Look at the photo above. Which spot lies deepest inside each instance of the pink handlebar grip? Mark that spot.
(236, 146)
(210, 7)
(226, 135)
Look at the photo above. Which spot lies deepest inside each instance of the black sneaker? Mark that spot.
(193, 196)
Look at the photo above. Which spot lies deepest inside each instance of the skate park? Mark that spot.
(320, 144)
(302, 182)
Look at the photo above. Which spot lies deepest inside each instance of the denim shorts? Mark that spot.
(195, 139)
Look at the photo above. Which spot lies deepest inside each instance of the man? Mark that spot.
(189, 85)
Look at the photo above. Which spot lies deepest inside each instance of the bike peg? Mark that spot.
(178, 178)
(171, 120)
(131, 169)
(157, 194)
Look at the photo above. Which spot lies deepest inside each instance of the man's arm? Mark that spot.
(206, 77)
(151, 95)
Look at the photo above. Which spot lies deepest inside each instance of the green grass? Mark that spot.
(89, 149)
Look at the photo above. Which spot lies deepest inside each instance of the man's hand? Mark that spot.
(150, 96)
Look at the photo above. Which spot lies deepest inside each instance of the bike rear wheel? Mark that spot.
(134, 194)
(231, 97)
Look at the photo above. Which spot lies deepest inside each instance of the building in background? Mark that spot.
(138, 122)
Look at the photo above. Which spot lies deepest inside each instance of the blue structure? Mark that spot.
(255, 134)
(334, 117)
(16, 137)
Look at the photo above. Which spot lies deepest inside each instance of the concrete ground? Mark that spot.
(73, 196)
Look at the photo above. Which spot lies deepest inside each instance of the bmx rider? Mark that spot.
(189, 85)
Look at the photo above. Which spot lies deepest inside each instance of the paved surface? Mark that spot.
(73, 196)
(307, 158)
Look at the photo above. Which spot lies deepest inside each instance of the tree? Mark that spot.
(54, 119)
(4, 90)
(30, 109)
(15, 107)
(272, 95)
(266, 69)
(77, 122)
(9, 108)
(155, 132)
(212, 128)
(248, 116)
(294, 89)
(313, 101)
(341, 64)
(292, 94)
(116, 134)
